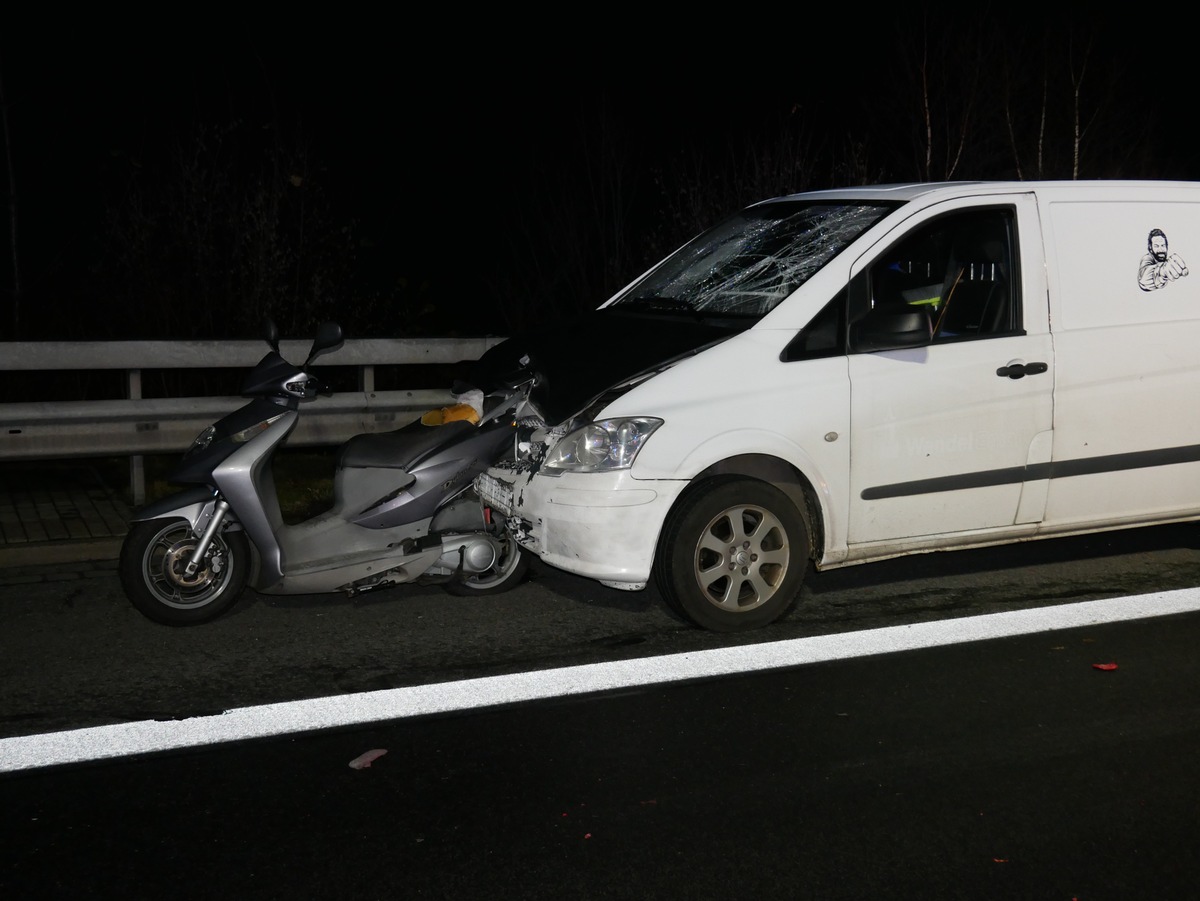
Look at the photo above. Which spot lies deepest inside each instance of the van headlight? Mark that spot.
(601, 446)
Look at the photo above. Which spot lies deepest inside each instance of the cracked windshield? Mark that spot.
(748, 264)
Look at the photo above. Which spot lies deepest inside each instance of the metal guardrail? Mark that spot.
(136, 426)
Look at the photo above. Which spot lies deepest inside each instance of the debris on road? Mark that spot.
(364, 760)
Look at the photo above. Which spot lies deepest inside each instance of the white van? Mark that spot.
(843, 376)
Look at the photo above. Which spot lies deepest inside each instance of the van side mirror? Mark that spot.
(892, 328)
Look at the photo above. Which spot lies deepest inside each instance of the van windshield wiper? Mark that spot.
(660, 305)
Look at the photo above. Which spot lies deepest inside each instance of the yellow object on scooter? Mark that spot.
(450, 414)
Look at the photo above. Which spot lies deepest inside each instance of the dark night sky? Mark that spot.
(404, 118)
(427, 129)
(424, 148)
(405, 135)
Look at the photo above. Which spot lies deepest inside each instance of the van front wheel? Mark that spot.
(733, 555)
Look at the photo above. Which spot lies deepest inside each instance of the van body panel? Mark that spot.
(1126, 448)
(940, 443)
(985, 363)
(798, 412)
(1035, 490)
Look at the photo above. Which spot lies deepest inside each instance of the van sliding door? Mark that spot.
(1126, 309)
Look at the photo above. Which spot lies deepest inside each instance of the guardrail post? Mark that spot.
(137, 463)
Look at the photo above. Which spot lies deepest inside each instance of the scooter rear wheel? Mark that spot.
(152, 570)
(506, 575)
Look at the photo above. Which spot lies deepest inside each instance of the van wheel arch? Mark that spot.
(771, 507)
(782, 475)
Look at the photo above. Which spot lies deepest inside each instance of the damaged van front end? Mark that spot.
(571, 499)
(594, 486)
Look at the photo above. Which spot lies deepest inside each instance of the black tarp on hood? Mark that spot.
(579, 359)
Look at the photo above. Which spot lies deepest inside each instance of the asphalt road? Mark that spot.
(1006, 768)
(74, 652)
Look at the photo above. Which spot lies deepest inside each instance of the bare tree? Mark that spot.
(1052, 89)
(1017, 90)
(207, 241)
(701, 185)
(980, 95)
(940, 76)
(569, 232)
(12, 209)
(1078, 130)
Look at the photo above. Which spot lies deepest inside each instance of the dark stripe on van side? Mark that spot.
(1061, 469)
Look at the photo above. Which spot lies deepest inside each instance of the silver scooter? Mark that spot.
(404, 507)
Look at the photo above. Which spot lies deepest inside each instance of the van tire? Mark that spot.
(733, 556)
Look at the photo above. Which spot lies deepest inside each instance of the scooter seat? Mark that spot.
(400, 448)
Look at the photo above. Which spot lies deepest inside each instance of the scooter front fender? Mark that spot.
(188, 504)
(196, 506)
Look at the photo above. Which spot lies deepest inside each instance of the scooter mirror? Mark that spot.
(329, 337)
(270, 333)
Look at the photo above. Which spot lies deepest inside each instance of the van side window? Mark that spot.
(959, 271)
(823, 336)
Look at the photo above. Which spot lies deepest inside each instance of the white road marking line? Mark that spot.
(265, 721)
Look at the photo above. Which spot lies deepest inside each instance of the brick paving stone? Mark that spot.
(11, 530)
(31, 520)
(115, 522)
(52, 506)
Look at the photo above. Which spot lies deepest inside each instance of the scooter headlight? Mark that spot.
(603, 446)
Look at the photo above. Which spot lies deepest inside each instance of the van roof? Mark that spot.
(905, 191)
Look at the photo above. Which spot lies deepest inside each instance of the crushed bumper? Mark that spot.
(603, 526)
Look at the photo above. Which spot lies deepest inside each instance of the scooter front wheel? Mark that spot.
(153, 571)
(508, 572)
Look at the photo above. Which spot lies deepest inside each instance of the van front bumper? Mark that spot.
(604, 526)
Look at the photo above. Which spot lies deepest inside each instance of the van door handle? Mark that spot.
(1018, 370)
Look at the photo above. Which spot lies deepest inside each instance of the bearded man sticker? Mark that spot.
(1159, 267)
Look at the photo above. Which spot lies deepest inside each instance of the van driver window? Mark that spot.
(958, 271)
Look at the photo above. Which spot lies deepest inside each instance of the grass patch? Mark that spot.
(304, 481)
